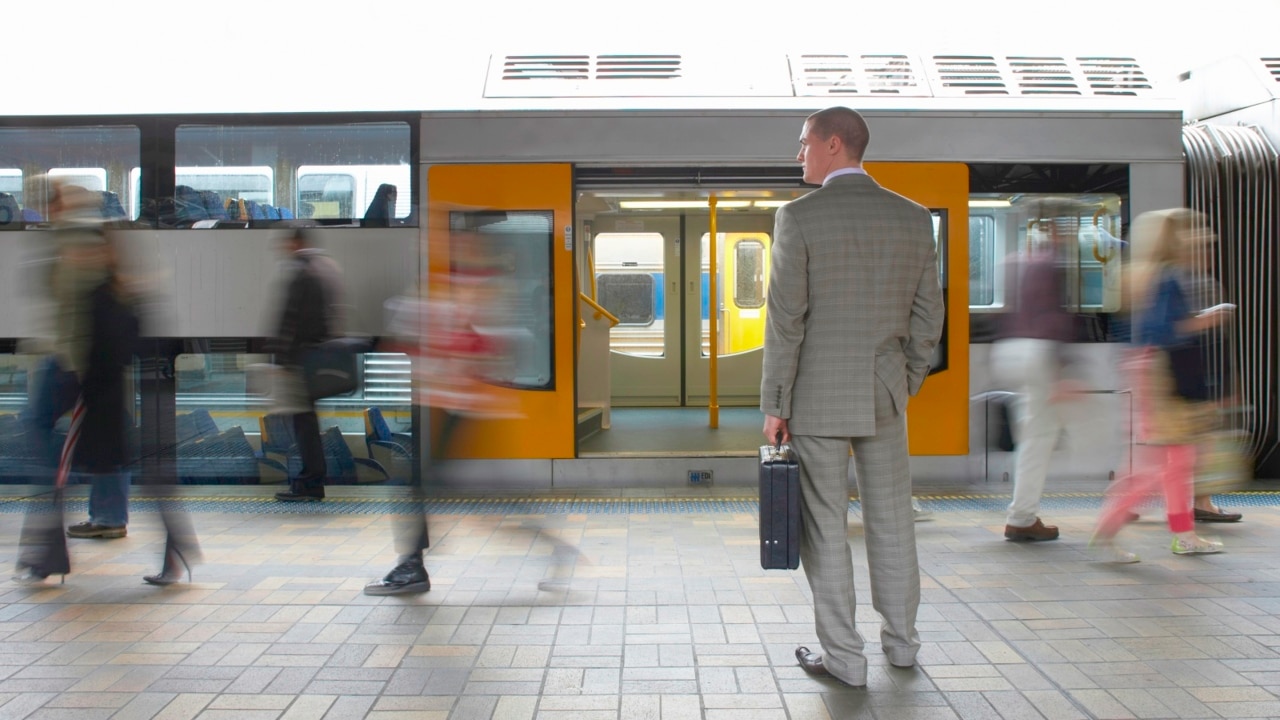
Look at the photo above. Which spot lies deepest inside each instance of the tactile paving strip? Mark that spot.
(585, 506)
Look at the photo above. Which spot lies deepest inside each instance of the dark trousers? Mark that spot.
(306, 432)
(411, 531)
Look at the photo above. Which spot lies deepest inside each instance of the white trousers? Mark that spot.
(1028, 367)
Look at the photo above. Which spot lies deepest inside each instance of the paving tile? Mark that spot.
(646, 630)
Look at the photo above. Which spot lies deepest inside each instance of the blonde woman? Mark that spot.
(1170, 412)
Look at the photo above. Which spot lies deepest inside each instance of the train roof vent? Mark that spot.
(960, 75)
(637, 67)
(1042, 76)
(864, 75)
(1037, 76)
(546, 67)
(587, 75)
(1272, 64)
(1114, 76)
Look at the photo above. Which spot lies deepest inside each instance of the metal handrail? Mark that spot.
(599, 310)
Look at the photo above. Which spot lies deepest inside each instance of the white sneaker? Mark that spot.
(1195, 546)
(1106, 551)
(919, 512)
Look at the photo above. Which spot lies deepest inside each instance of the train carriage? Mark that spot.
(597, 172)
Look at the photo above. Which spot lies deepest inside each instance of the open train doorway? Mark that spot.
(646, 257)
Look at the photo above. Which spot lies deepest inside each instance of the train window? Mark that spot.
(982, 261)
(346, 191)
(97, 158)
(336, 174)
(629, 279)
(1002, 226)
(749, 274)
(628, 296)
(510, 252)
(10, 196)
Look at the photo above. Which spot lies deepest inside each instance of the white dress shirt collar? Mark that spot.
(844, 171)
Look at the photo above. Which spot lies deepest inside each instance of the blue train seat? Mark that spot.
(277, 435)
(9, 211)
(213, 204)
(188, 207)
(286, 213)
(195, 425)
(226, 458)
(111, 207)
(392, 450)
(341, 466)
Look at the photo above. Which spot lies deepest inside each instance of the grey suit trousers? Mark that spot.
(884, 486)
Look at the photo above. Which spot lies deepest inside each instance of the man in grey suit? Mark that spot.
(854, 313)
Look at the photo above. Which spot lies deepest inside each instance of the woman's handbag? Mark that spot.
(1222, 462)
(1190, 374)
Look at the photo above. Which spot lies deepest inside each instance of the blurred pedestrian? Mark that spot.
(1032, 358)
(79, 266)
(310, 315)
(1170, 386)
(456, 362)
(102, 448)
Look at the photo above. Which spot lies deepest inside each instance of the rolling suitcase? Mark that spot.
(779, 508)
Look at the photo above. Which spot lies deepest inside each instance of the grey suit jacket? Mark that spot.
(853, 300)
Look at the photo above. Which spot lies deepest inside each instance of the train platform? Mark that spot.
(630, 605)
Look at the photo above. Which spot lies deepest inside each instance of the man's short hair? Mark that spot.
(845, 124)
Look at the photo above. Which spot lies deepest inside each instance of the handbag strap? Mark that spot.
(69, 445)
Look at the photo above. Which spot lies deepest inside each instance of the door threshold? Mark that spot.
(641, 454)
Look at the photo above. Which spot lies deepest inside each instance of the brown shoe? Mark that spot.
(1038, 531)
(1217, 515)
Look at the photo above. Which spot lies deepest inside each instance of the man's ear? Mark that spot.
(834, 146)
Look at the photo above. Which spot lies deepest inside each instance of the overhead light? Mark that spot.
(771, 203)
(679, 204)
(989, 203)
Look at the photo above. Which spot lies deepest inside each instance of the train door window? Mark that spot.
(748, 274)
(329, 173)
(983, 254)
(629, 277)
(742, 264)
(501, 273)
(938, 362)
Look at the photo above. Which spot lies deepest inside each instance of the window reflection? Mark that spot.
(515, 250)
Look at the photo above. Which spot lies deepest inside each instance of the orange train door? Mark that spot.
(512, 219)
(938, 418)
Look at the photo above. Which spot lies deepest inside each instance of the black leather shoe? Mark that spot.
(298, 494)
(811, 662)
(407, 577)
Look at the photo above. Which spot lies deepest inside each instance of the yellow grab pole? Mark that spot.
(713, 309)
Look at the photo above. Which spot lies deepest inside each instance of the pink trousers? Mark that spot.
(1170, 467)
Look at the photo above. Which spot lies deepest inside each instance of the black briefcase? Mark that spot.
(329, 369)
(779, 508)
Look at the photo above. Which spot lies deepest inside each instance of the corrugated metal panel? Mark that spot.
(1233, 177)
